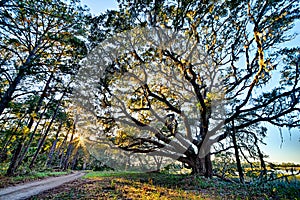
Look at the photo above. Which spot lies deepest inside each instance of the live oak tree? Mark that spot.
(243, 49)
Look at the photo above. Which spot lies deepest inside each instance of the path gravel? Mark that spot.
(27, 190)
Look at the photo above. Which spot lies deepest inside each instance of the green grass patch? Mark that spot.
(9, 181)
(213, 187)
(38, 175)
(99, 174)
(137, 185)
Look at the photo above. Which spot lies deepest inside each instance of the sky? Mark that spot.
(98, 6)
(280, 149)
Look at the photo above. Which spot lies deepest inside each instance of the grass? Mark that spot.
(134, 185)
(97, 174)
(9, 181)
(154, 186)
(122, 185)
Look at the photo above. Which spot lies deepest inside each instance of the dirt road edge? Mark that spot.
(27, 190)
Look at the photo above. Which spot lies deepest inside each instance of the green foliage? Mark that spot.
(238, 39)
(224, 164)
(41, 45)
(43, 41)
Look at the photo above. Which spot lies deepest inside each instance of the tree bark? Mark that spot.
(237, 156)
(75, 160)
(60, 151)
(197, 166)
(13, 164)
(201, 166)
(65, 163)
(45, 136)
(7, 97)
(23, 154)
(18, 155)
(53, 147)
(61, 146)
(208, 167)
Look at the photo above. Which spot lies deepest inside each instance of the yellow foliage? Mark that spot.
(121, 137)
(211, 8)
(214, 96)
(33, 115)
(191, 14)
(281, 16)
(165, 17)
(6, 82)
(25, 130)
(18, 115)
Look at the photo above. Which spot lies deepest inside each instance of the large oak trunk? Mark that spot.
(202, 166)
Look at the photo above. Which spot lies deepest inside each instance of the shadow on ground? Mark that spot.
(121, 185)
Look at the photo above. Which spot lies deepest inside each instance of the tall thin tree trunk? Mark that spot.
(13, 163)
(261, 158)
(65, 163)
(45, 135)
(61, 146)
(60, 150)
(237, 156)
(75, 160)
(7, 96)
(23, 154)
(17, 157)
(53, 147)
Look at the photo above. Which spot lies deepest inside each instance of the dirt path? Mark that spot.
(27, 190)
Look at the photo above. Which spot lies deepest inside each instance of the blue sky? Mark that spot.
(98, 6)
(278, 151)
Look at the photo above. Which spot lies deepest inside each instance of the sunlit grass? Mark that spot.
(38, 175)
(156, 186)
(7, 181)
(136, 185)
(98, 174)
(126, 185)
(151, 185)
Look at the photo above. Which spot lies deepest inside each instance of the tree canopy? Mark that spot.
(40, 50)
(162, 68)
(188, 80)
